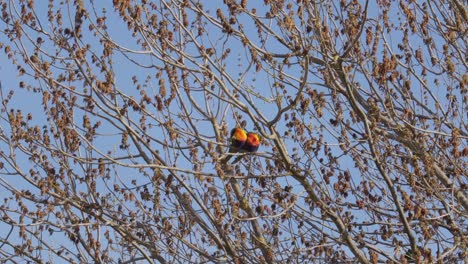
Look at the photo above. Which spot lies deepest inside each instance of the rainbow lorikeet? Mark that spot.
(252, 142)
(238, 139)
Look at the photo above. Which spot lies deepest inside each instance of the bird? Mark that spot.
(251, 145)
(252, 142)
(238, 140)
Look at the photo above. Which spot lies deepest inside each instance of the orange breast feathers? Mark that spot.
(252, 143)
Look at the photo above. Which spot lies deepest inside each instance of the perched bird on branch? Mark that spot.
(238, 140)
(251, 145)
(252, 142)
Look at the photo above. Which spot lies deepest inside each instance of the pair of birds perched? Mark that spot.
(242, 141)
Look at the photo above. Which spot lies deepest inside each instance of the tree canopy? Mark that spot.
(116, 118)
